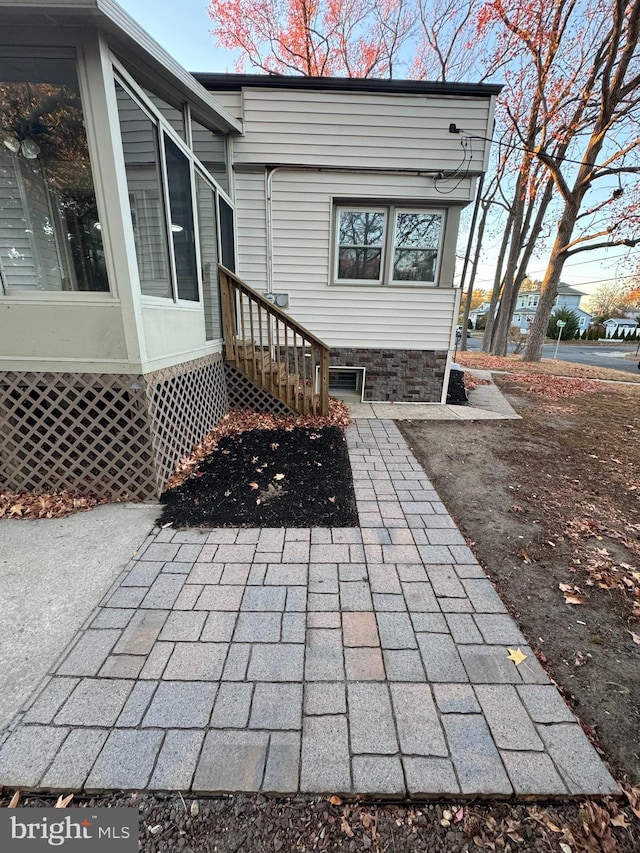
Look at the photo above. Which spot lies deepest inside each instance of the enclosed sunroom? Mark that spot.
(115, 211)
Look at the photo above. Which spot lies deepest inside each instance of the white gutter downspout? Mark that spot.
(268, 216)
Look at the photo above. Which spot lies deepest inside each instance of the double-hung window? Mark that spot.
(387, 244)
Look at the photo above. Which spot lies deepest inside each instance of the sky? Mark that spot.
(183, 28)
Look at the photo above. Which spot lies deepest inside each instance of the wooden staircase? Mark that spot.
(267, 345)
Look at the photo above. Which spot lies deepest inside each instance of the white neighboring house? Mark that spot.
(568, 297)
(481, 311)
(122, 334)
(629, 323)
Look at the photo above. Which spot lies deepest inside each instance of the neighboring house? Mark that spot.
(568, 297)
(481, 311)
(629, 323)
(125, 182)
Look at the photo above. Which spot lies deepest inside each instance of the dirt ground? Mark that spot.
(266, 478)
(551, 507)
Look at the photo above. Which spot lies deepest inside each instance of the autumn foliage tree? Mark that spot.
(315, 38)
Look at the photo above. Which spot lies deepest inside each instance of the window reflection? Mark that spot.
(182, 228)
(206, 200)
(140, 146)
(361, 235)
(50, 234)
(417, 237)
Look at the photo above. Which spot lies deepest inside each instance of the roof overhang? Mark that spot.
(126, 37)
(236, 82)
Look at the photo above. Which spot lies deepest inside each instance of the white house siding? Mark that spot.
(364, 129)
(251, 229)
(231, 101)
(374, 316)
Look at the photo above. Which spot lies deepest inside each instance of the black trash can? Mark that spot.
(456, 392)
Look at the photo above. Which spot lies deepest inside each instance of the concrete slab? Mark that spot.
(486, 403)
(53, 573)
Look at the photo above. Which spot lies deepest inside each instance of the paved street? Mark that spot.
(610, 355)
(374, 660)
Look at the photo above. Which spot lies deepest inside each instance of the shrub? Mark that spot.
(572, 324)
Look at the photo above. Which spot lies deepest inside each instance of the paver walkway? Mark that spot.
(367, 661)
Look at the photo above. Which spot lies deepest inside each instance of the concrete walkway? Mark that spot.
(366, 661)
(486, 403)
(53, 573)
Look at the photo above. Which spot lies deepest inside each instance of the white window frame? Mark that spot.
(390, 210)
(392, 251)
(133, 89)
(69, 296)
(360, 208)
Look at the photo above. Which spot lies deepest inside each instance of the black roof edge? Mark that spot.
(235, 82)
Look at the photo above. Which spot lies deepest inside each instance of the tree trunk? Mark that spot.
(549, 287)
(472, 277)
(497, 287)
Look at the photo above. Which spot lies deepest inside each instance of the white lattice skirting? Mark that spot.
(115, 436)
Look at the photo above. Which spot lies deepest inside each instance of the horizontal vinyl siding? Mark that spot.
(350, 315)
(251, 228)
(231, 101)
(361, 130)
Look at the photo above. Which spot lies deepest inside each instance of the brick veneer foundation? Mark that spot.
(408, 376)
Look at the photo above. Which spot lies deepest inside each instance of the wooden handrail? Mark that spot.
(272, 349)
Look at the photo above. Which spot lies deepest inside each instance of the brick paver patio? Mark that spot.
(371, 661)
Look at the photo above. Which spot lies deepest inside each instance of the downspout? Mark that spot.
(268, 216)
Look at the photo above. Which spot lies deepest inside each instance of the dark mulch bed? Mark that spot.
(268, 478)
(255, 824)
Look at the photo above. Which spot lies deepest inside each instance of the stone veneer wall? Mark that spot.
(408, 376)
(113, 435)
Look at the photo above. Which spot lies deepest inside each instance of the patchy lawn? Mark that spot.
(515, 364)
(551, 507)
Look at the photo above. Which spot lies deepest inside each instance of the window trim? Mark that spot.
(395, 282)
(372, 208)
(390, 209)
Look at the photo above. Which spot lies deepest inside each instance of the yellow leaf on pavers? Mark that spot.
(516, 656)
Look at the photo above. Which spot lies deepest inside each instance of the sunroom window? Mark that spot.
(387, 245)
(50, 231)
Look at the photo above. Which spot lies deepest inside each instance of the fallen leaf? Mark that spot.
(525, 555)
(332, 500)
(620, 820)
(278, 477)
(14, 800)
(635, 637)
(254, 486)
(565, 848)
(458, 815)
(516, 656)
(335, 800)
(63, 802)
(195, 809)
(573, 599)
(344, 826)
